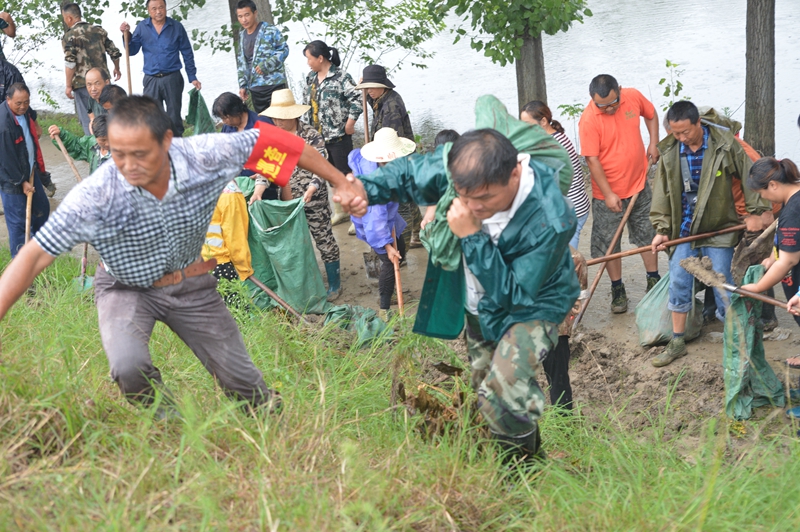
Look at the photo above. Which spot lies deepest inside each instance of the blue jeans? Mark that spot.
(577, 236)
(14, 206)
(681, 283)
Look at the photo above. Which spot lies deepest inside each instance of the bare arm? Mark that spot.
(70, 74)
(613, 201)
(350, 194)
(652, 129)
(11, 30)
(20, 273)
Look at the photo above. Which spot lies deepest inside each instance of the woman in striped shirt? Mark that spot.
(537, 112)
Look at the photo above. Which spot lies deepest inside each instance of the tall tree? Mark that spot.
(759, 108)
(511, 31)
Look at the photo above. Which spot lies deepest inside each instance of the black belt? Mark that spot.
(162, 74)
(338, 139)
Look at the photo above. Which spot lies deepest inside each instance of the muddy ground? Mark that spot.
(609, 368)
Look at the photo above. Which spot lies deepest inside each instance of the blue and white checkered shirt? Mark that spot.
(695, 160)
(140, 238)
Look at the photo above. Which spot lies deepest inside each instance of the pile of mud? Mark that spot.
(618, 378)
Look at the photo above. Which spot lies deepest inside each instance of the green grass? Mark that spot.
(75, 456)
(65, 121)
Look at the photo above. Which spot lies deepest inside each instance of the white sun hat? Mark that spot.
(284, 107)
(387, 146)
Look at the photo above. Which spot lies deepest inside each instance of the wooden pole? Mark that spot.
(597, 277)
(28, 210)
(397, 281)
(754, 295)
(668, 243)
(366, 118)
(126, 36)
(68, 158)
(277, 299)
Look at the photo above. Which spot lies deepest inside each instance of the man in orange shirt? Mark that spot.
(612, 143)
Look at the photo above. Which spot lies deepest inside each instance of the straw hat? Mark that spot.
(284, 107)
(387, 146)
(374, 78)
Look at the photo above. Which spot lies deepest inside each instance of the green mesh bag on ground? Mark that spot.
(654, 319)
(749, 380)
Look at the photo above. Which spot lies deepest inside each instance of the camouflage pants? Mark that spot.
(318, 215)
(504, 374)
(410, 213)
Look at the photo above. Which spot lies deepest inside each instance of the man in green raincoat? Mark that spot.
(501, 202)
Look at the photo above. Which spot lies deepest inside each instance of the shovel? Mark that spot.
(29, 211)
(84, 282)
(700, 268)
(745, 256)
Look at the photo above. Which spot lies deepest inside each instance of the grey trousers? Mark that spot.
(82, 101)
(196, 313)
(167, 90)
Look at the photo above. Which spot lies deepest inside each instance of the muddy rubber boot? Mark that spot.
(619, 299)
(521, 449)
(334, 280)
(339, 216)
(675, 349)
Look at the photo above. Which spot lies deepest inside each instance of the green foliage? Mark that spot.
(65, 121)
(672, 85)
(572, 111)
(366, 29)
(501, 25)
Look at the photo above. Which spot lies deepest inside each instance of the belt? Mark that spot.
(337, 139)
(198, 267)
(162, 74)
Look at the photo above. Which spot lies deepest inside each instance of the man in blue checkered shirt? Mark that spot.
(147, 213)
(692, 194)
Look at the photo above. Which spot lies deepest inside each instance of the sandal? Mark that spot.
(793, 362)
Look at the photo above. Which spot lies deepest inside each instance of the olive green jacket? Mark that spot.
(715, 207)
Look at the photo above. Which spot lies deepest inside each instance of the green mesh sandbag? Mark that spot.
(280, 241)
(749, 380)
(198, 116)
(654, 319)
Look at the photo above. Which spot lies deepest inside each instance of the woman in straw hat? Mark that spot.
(389, 110)
(375, 227)
(286, 113)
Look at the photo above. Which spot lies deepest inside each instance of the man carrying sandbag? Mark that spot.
(692, 195)
(514, 276)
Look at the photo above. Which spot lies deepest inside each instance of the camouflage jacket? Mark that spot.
(269, 53)
(301, 179)
(333, 102)
(390, 111)
(85, 47)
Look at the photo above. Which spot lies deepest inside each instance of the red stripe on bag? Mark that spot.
(275, 154)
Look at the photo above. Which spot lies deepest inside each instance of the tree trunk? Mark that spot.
(264, 10)
(759, 109)
(530, 72)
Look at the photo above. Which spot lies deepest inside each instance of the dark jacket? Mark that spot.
(14, 152)
(8, 76)
(390, 111)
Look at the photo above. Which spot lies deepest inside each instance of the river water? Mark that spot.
(630, 39)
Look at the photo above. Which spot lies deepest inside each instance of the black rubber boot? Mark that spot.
(521, 449)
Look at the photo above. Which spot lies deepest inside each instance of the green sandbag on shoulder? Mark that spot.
(749, 380)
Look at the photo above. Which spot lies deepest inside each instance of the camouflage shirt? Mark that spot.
(301, 179)
(390, 111)
(85, 47)
(333, 101)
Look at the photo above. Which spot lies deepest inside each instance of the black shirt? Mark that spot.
(787, 237)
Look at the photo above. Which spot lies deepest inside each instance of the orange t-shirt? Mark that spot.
(617, 140)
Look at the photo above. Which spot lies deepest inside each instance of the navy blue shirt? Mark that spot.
(161, 50)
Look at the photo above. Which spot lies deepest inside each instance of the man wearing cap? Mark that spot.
(286, 113)
(389, 110)
(161, 39)
(146, 213)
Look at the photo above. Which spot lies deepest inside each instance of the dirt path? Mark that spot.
(609, 367)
